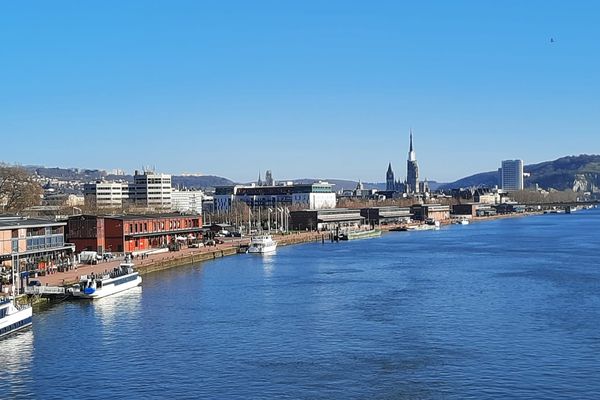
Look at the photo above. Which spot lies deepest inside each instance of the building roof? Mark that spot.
(15, 222)
(132, 217)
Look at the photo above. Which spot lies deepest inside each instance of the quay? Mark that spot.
(53, 285)
(161, 261)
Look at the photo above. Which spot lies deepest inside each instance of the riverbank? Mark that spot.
(162, 261)
(157, 262)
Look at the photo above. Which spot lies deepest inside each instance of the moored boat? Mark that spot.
(96, 286)
(359, 234)
(262, 244)
(13, 317)
(422, 227)
(461, 221)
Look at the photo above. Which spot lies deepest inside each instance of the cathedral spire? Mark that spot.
(412, 156)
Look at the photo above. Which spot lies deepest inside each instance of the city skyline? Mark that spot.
(303, 89)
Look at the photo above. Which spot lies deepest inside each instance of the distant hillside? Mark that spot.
(572, 172)
(343, 184)
(90, 175)
(203, 181)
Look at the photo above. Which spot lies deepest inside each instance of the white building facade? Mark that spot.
(187, 201)
(149, 190)
(314, 196)
(105, 194)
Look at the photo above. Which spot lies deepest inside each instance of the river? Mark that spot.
(500, 309)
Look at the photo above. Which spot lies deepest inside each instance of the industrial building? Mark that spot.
(131, 233)
(422, 212)
(310, 220)
(473, 209)
(386, 215)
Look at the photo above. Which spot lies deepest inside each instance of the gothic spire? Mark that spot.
(412, 156)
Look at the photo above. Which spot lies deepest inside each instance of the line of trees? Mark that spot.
(18, 189)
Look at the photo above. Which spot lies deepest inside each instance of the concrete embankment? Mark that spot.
(177, 260)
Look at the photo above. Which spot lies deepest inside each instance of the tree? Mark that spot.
(18, 189)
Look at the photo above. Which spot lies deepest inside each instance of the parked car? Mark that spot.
(34, 282)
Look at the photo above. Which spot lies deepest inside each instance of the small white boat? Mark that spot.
(95, 286)
(262, 244)
(423, 227)
(13, 317)
(462, 221)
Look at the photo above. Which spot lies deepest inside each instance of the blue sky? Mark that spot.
(307, 89)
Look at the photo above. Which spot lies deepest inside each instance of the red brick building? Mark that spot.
(131, 233)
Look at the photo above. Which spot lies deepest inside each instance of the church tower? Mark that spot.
(390, 182)
(412, 169)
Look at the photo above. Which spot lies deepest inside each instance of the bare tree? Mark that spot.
(18, 189)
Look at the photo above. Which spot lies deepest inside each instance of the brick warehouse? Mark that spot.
(131, 233)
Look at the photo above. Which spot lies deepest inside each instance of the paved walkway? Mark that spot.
(60, 278)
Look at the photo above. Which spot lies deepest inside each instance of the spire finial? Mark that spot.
(411, 144)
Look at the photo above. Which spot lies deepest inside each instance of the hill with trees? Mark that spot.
(578, 173)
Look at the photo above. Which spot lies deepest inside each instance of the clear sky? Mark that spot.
(307, 89)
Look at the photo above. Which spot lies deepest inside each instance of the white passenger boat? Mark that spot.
(95, 286)
(262, 244)
(13, 317)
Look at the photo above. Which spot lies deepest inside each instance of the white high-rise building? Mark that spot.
(105, 194)
(512, 175)
(187, 201)
(151, 190)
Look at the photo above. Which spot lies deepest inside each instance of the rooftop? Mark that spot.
(17, 221)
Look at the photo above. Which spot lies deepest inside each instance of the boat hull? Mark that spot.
(15, 322)
(109, 289)
(360, 235)
(262, 249)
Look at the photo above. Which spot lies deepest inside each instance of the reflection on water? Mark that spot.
(268, 262)
(124, 304)
(16, 355)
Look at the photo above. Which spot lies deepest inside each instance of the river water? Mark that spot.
(501, 309)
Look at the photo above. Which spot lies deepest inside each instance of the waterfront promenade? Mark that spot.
(159, 261)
